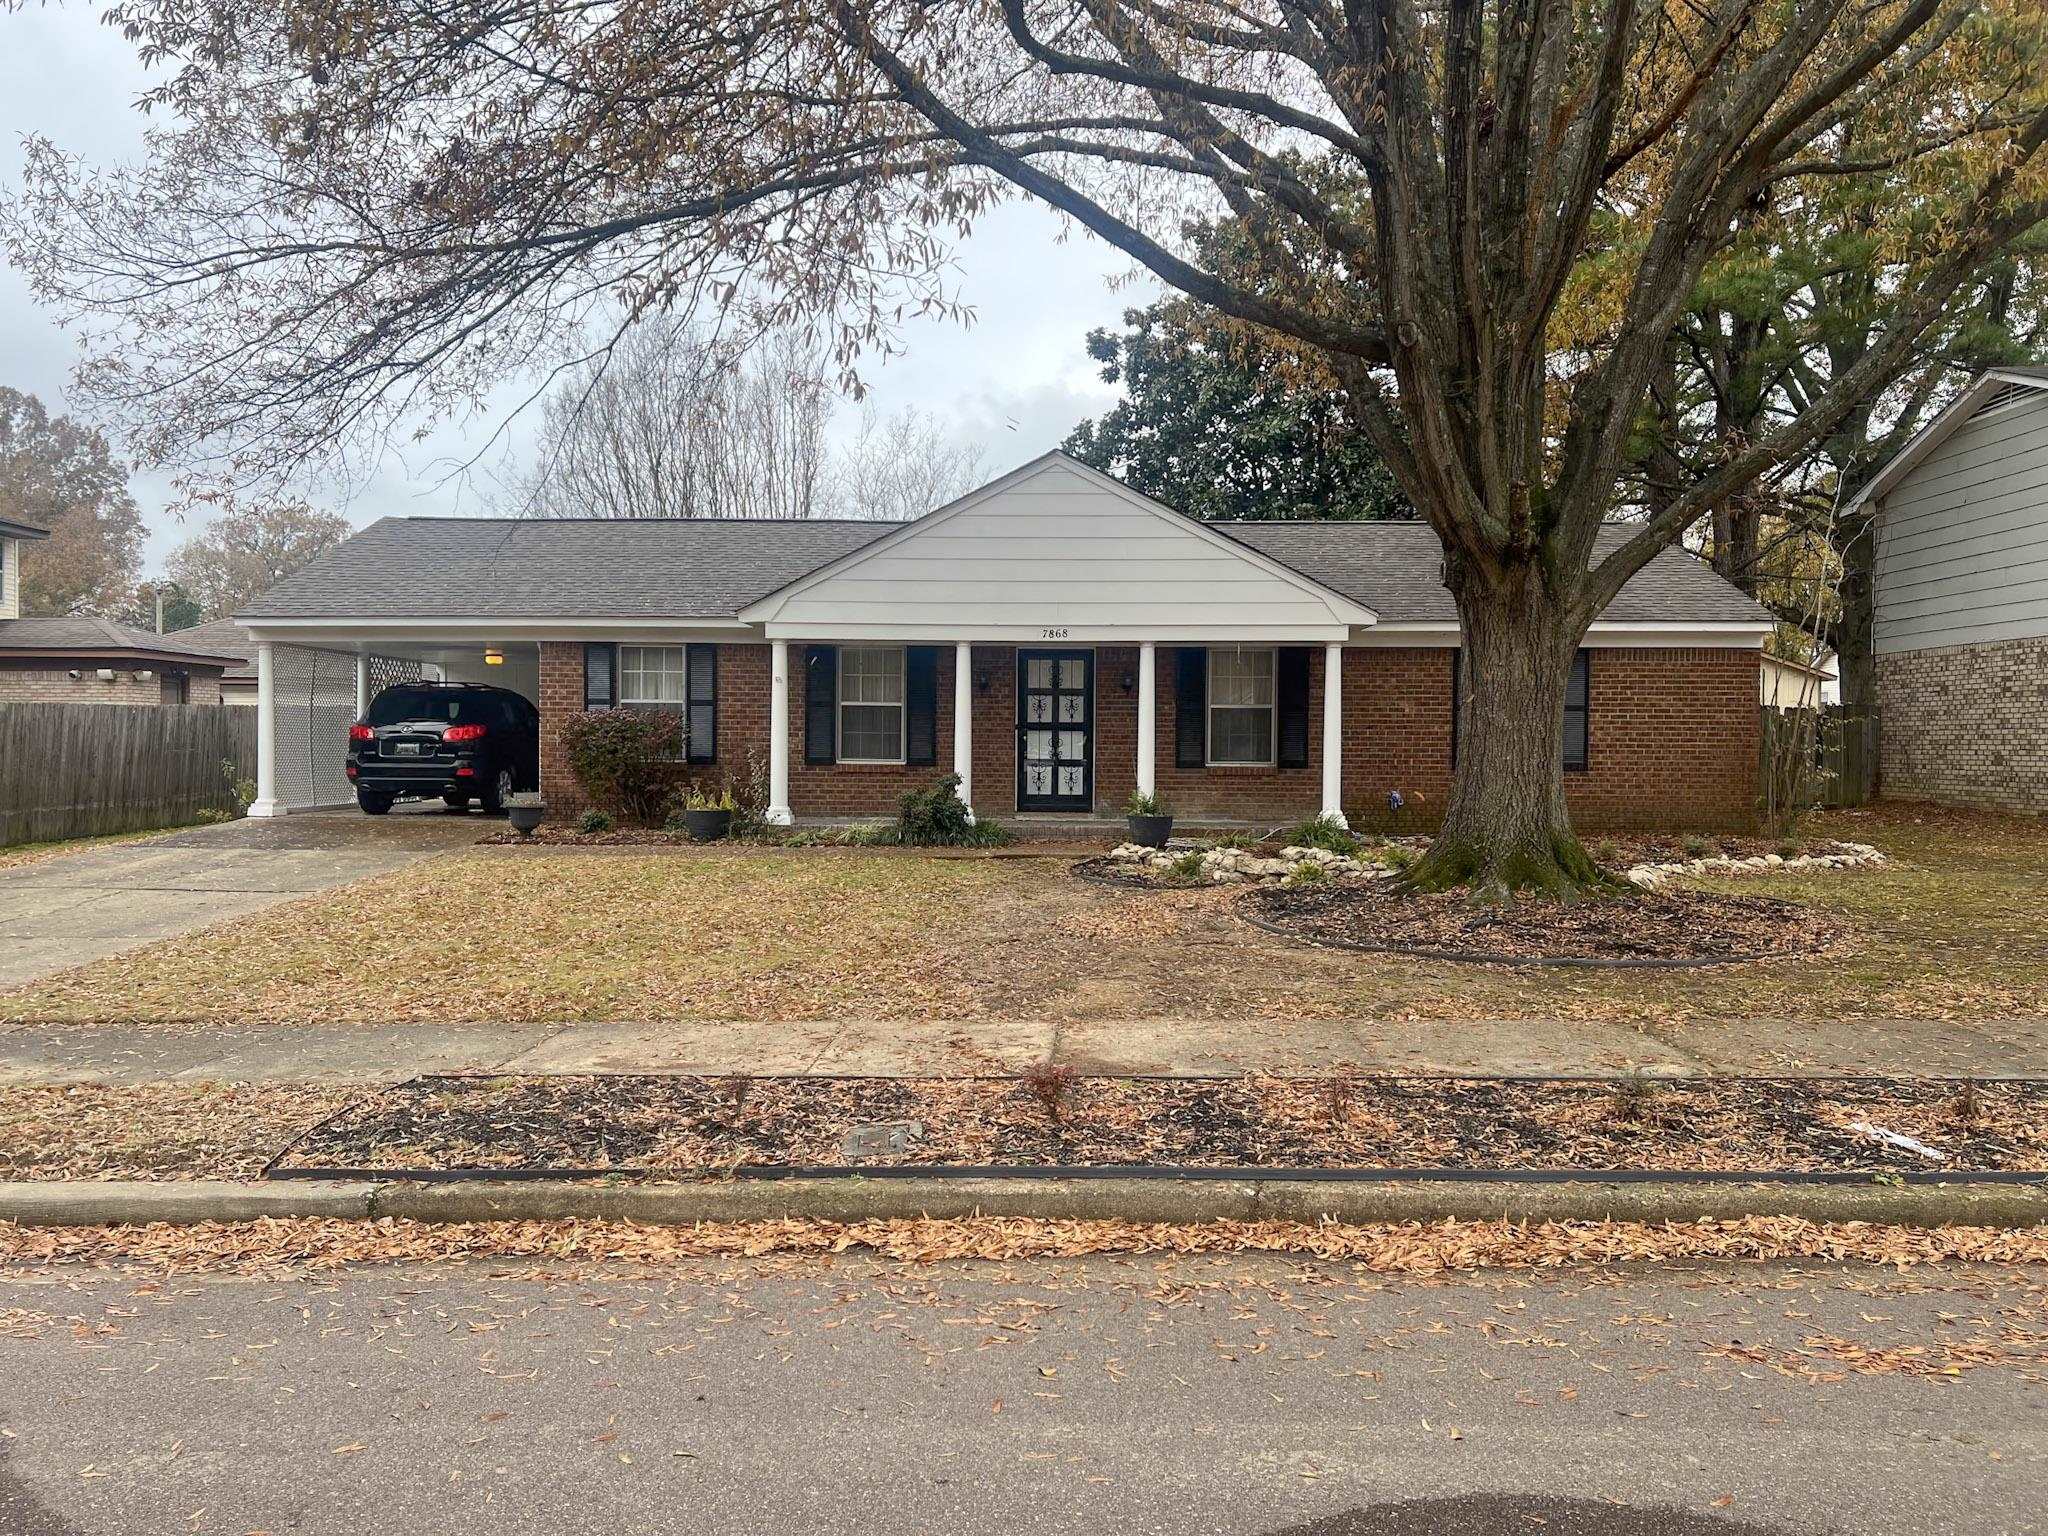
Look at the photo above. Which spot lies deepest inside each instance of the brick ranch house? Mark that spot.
(89, 660)
(1054, 638)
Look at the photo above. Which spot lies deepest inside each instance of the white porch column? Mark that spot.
(362, 684)
(1333, 734)
(266, 802)
(963, 722)
(778, 813)
(1148, 706)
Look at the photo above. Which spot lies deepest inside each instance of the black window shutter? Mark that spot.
(1457, 696)
(600, 675)
(921, 704)
(703, 675)
(1290, 692)
(821, 704)
(1578, 698)
(1191, 708)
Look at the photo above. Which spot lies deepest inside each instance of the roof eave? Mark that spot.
(1937, 431)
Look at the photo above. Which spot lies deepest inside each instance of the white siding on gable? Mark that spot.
(1962, 551)
(10, 578)
(1056, 555)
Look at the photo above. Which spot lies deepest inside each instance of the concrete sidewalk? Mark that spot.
(69, 1054)
(76, 907)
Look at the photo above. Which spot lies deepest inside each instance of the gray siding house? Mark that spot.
(1961, 632)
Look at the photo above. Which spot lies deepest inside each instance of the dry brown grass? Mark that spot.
(1950, 930)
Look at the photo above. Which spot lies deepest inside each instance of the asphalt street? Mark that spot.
(1242, 1395)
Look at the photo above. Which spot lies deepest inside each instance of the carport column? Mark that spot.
(1333, 734)
(362, 684)
(778, 814)
(963, 723)
(1148, 705)
(266, 802)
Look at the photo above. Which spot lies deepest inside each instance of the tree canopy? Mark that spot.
(1217, 427)
(248, 548)
(60, 474)
(1484, 219)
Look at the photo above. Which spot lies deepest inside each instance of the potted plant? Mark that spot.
(525, 812)
(1151, 822)
(708, 817)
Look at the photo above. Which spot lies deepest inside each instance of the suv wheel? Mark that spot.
(456, 802)
(373, 805)
(499, 792)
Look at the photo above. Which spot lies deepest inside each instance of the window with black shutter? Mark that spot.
(600, 676)
(1191, 707)
(1578, 696)
(921, 698)
(703, 703)
(821, 704)
(1293, 698)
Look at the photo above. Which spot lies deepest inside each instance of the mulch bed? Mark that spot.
(694, 1126)
(1663, 928)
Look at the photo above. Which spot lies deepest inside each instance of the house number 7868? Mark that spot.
(1052, 634)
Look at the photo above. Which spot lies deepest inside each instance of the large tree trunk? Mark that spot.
(1855, 649)
(1505, 829)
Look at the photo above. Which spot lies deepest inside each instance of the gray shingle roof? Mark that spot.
(597, 568)
(709, 569)
(1395, 570)
(97, 637)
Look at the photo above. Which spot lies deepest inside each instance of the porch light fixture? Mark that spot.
(493, 657)
(1127, 682)
(981, 676)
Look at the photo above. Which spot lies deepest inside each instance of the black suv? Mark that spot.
(461, 741)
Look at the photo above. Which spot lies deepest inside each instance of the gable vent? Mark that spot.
(2011, 394)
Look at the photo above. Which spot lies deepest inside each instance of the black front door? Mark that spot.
(1055, 731)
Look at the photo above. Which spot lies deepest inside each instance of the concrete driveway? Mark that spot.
(65, 911)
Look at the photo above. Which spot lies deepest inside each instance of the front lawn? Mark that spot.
(1951, 929)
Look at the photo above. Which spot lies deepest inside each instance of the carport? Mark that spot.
(303, 713)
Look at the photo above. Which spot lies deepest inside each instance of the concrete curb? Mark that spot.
(1141, 1201)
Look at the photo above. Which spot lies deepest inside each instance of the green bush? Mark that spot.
(1325, 832)
(1188, 866)
(1143, 804)
(1308, 874)
(594, 820)
(933, 817)
(623, 759)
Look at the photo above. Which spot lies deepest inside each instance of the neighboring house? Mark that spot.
(316, 702)
(1961, 623)
(1056, 639)
(1789, 684)
(91, 661)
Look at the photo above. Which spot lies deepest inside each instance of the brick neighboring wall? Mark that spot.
(34, 684)
(1674, 738)
(1966, 725)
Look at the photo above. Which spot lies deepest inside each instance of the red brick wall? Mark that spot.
(1674, 738)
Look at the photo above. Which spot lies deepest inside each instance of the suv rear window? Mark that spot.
(394, 705)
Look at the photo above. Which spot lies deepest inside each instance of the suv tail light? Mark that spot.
(361, 733)
(463, 733)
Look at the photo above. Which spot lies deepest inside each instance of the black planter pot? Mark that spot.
(1150, 831)
(525, 818)
(707, 826)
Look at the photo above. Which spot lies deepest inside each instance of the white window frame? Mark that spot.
(901, 705)
(1272, 706)
(681, 653)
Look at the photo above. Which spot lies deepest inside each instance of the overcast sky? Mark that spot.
(1015, 381)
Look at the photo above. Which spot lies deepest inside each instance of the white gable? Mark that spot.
(1056, 552)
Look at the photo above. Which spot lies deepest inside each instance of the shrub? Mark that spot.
(1308, 874)
(1789, 848)
(1396, 857)
(594, 820)
(242, 791)
(1325, 832)
(212, 815)
(1051, 1083)
(1143, 803)
(622, 758)
(1694, 846)
(1187, 866)
(933, 817)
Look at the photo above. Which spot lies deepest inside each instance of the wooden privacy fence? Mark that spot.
(1818, 757)
(83, 770)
